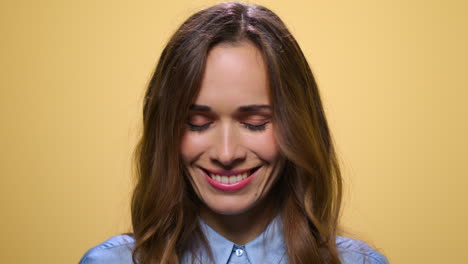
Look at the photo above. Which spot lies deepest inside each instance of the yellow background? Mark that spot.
(393, 75)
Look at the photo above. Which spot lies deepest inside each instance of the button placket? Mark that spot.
(239, 255)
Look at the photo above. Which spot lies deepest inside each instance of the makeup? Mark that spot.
(231, 181)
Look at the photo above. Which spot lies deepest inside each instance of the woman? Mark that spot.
(236, 162)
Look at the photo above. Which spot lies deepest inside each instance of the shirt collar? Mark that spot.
(268, 247)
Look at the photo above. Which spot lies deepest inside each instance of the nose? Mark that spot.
(227, 151)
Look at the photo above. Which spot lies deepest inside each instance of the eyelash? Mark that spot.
(247, 125)
(255, 127)
(199, 128)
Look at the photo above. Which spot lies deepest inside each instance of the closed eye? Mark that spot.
(256, 127)
(199, 127)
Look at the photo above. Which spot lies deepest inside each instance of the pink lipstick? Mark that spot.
(238, 179)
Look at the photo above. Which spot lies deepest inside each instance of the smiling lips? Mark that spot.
(230, 181)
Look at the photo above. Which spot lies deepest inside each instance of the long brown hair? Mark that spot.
(164, 205)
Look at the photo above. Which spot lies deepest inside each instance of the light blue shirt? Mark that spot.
(268, 247)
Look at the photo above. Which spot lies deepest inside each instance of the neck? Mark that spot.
(241, 228)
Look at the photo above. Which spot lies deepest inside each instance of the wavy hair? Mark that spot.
(164, 204)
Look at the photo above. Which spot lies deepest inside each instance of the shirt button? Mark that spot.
(239, 252)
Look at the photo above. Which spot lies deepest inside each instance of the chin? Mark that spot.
(229, 206)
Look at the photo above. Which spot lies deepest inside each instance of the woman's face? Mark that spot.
(229, 147)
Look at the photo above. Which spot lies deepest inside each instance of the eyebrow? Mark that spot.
(242, 109)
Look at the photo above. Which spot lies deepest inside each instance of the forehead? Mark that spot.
(235, 74)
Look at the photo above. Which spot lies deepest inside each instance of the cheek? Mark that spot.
(191, 146)
(264, 144)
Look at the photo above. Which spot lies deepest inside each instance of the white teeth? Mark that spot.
(229, 179)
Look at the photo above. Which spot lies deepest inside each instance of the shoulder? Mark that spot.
(117, 249)
(356, 251)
